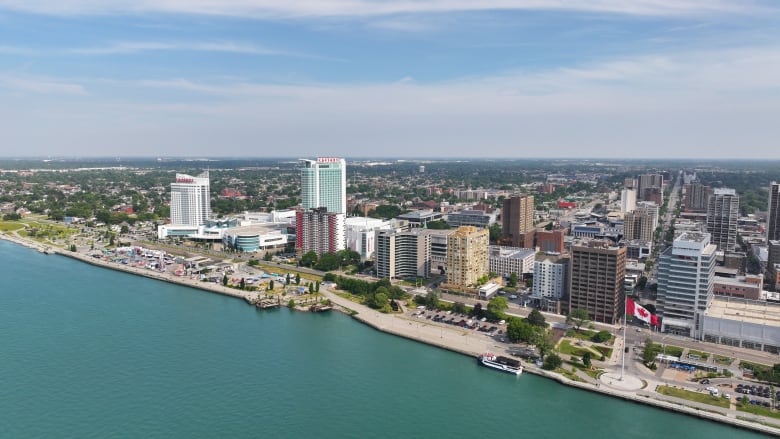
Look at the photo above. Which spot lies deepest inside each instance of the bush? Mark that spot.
(601, 337)
(552, 362)
(291, 303)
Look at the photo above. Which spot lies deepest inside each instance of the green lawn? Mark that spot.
(701, 397)
(674, 351)
(702, 355)
(565, 347)
(722, 360)
(568, 374)
(607, 352)
(7, 226)
(758, 410)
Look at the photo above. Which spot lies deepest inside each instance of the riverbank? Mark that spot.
(453, 339)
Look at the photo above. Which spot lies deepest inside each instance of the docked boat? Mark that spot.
(503, 364)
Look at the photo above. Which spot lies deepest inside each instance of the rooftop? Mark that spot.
(749, 311)
(693, 237)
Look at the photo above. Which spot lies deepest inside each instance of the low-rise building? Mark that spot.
(507, 260)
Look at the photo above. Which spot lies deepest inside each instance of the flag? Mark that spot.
(638, 311)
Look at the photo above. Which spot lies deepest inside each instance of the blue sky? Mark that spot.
(425, 78)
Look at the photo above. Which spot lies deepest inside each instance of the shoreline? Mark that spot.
(458, 341)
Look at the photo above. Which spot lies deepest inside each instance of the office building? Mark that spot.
(438, 241)
(686, 272)
(324, 184)
(696, 196)
(468, 217)
(320, 231)
(773, 213)
(420, 218)
(190, 200)
(507, 260)
(550, 241)
(722, 215)
(517, 221)
(467, 256)
(597, 271)
(402, 254)
(649, 186)
(642, 222)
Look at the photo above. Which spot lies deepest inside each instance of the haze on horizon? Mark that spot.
(429, 79)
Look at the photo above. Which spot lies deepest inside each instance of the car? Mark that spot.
(513, 296)
(501, 322)
(705, 381)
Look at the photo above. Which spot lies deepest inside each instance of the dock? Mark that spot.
(267, 303)
(319, 307)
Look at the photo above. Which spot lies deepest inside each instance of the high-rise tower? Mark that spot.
(773, 213)
(722, 215)
(190, 200)
(324, 184)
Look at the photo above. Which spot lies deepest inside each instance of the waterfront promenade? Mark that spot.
(637, 386)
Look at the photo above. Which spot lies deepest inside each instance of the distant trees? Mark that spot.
(12, 217)
(437, 225)
(309, 259)
(385, 211)
(513, 279)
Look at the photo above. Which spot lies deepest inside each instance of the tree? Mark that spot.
(552, 362)
(317, 287)
(513, 278)
(578, 317)
(459, 308)
(536, 318)
(309, 259)
(651, 350)
(297, 278)
(242, 285)
(641, 283)
(477, 310)
(267, 256)
(431, 300)
(224, 280)
(270, 285)
(519, 330)
(586, 359)
(381, 301)
(291, 303)
(601, 336)
(543, 340)
(73, 247)
(496, 308)
(495, 232)
(287, 279)
(328, 262)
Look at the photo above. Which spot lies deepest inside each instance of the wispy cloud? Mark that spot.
(40, 85)
(129, 47)
(365, 8)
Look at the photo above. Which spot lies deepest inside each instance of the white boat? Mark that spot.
(503, 364)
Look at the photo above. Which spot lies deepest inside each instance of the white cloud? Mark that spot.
(367, 8)
(129, 47)
(39, 85)
(716, 104)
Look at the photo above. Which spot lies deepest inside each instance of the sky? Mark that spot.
(386, 78)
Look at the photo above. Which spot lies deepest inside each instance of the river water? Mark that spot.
(90, 352)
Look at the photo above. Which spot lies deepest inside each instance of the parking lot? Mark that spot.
(496, 330)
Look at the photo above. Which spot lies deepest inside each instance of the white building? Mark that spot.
(686, 272)
(361, 236)
(190, 200)
(507, 260)
(551, 276)
(324, 184)
(627, 200)
(402, 254)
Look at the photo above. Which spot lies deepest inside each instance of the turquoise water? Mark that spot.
(89, 352)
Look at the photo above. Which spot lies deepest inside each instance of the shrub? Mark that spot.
(552, 362)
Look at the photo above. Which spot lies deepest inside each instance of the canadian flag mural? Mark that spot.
(638, 311)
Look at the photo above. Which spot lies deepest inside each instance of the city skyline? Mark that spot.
(441, 79)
